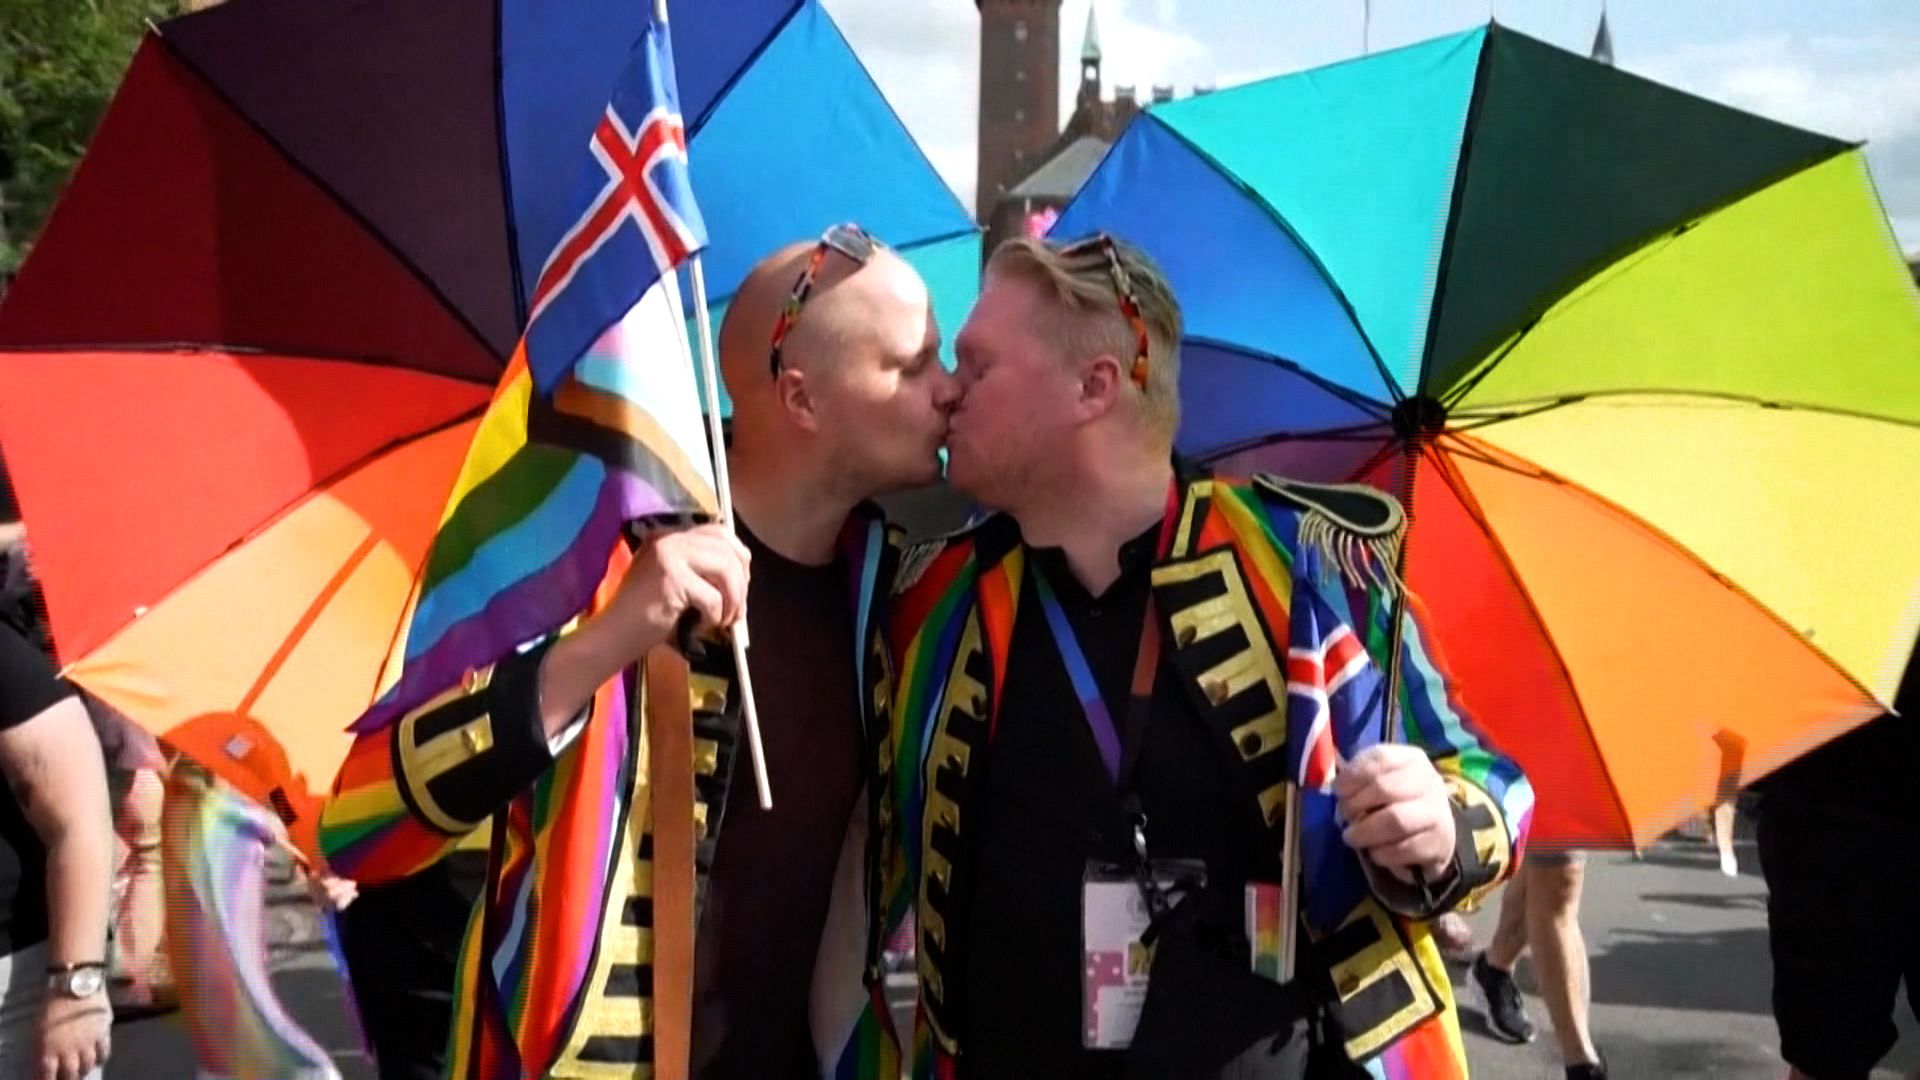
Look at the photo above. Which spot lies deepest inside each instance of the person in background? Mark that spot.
(137, 980)
(56, 852)
(1541, 912)
(1841, 860)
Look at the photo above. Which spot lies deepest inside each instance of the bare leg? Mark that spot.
(1560, 954)
(1510, 933)
(1723, 839)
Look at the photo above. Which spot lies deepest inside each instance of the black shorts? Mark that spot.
(1841, 922)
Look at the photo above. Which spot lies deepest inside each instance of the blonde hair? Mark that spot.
(1091, 320)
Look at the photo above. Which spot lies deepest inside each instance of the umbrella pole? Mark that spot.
(716, 436)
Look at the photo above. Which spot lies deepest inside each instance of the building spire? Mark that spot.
(1090, 49)
(1603, 40)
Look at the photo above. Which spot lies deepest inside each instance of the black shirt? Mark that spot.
(773, 871)
(28, 686)
(1046, 806)
(1867, 770)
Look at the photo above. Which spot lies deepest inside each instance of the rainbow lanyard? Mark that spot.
(1116, 753)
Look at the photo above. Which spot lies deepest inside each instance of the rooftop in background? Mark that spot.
(1063, 173)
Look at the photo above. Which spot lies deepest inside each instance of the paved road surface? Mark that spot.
(1680, 974)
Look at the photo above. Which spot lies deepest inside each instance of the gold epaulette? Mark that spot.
(1353, 528)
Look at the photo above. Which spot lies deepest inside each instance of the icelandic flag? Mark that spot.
(596, 421)
(633, 212)
(1335, 694)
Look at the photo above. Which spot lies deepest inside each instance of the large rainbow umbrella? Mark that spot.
(1645, 369)
(250, 348)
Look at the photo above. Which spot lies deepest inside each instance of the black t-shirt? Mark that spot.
(773, 871)
(1046, 806)
(1868, 769)
(28, 686)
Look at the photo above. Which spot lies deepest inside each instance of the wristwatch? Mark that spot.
(77, 980)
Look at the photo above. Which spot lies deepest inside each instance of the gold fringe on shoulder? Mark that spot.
(1368, 561)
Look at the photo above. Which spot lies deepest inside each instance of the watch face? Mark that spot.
(86, 982)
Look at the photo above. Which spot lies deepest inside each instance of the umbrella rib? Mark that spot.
(1467, 387)
(1522, 410)
(1346, 305)
(1360, 433)
(1463, 493)
(1624, 262)
(1350, 396)
(1670, 543)
(261, 351)
(331, 480)
(1637, 250)
(1457, 198)
(884, 100)
(432, 287)
(308, 620)
(694, 124)
(518, 285)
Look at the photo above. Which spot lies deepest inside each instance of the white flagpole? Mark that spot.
(716, 438)
(716, 435)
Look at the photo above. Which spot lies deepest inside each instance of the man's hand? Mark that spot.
(75, 1035)
(702, 569)
(331, 893)
(1396, 809)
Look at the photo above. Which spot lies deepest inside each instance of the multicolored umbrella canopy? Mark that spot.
(248, 352)
(1645, 369)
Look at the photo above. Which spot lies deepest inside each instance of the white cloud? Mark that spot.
(924, 54)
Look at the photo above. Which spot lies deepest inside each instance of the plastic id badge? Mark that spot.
(1117, 906)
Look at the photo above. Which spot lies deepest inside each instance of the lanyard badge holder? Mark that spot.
(1122, 908)
(1121, 904)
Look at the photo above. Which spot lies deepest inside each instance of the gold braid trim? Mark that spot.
(1366, 561)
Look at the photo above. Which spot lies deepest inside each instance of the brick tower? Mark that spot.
(1019, 93)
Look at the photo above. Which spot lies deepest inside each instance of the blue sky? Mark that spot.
(1849, 68)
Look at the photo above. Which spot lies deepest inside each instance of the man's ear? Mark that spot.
(1101, 384)
(790, 389)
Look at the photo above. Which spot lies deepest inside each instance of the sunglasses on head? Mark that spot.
(849, 240)
(1123, 291)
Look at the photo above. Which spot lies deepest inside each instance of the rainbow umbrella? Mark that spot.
(248, 353)
(1644, 368)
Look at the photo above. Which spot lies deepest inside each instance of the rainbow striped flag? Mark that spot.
(213, 861)
(547, 488)
(596, 421)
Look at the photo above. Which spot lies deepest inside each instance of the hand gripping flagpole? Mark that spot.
(716, 439)
(1290, 875)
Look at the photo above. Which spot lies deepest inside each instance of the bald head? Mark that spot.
(846, 308)
(860, 395)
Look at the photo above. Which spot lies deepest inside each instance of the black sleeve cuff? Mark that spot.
(466, 760)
